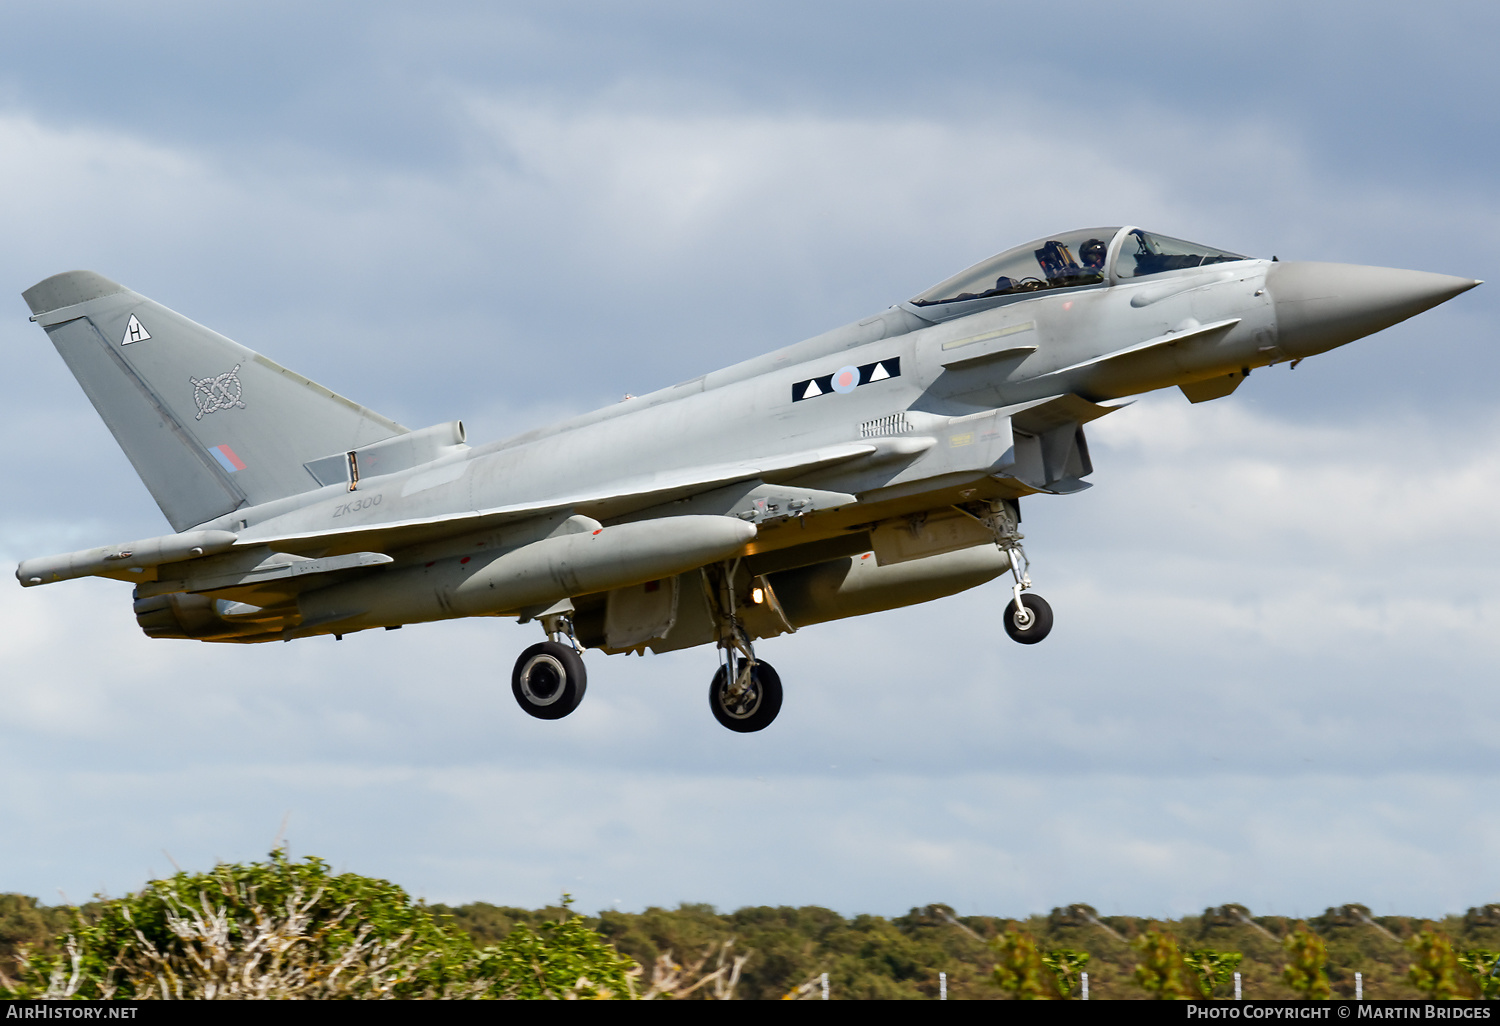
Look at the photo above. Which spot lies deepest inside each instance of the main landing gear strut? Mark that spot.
(745, 694)
(1028, 617)
(549, 679)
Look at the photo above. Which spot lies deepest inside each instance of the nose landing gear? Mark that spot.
(549, 679)
(1028, 617)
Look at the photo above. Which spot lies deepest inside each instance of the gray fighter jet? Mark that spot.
(877, 465)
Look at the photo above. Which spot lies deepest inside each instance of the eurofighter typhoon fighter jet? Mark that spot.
(877, 465)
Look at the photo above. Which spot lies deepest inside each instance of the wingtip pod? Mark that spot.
(68, 289)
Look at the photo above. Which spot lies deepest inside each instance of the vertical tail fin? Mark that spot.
(209, 425)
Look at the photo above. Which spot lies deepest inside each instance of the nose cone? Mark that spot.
(1320, 306)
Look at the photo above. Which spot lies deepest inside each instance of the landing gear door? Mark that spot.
(640, 613)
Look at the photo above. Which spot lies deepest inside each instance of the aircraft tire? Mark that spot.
(754, 712)
(549, 680)
(1041, 620)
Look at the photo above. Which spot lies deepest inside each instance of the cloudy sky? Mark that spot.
(1272, 678)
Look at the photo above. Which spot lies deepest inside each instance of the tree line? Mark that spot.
(285, 928)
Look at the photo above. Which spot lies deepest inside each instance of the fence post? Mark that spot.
(1084, 979)
(942, 986)
(825, 986)
(1237, 986)
(1359, 986)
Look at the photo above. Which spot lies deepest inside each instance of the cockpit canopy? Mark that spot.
(1071, 260)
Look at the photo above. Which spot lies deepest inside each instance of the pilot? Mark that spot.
(1092, 253)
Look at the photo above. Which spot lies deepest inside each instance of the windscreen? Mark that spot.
(1061, 261)
(1143, 253)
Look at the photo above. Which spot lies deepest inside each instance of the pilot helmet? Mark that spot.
(1092, 253)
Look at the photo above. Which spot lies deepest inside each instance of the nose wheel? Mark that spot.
(1028, 618)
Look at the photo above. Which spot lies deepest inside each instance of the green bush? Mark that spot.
(284, 929)
(1306, 956)
(1484, 967)
(1435, 969)
(1066, 964)
(1160, 970)
(1214, 969)
(1020, 969)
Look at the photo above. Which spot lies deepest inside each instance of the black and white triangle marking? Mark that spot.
(868, 374)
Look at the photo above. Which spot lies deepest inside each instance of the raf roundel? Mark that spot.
(845, 380)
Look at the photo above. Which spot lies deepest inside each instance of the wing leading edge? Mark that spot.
(126, 562)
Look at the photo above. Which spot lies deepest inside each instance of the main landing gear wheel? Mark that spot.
(549, 680)
(752, 704)
(1029, 622)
